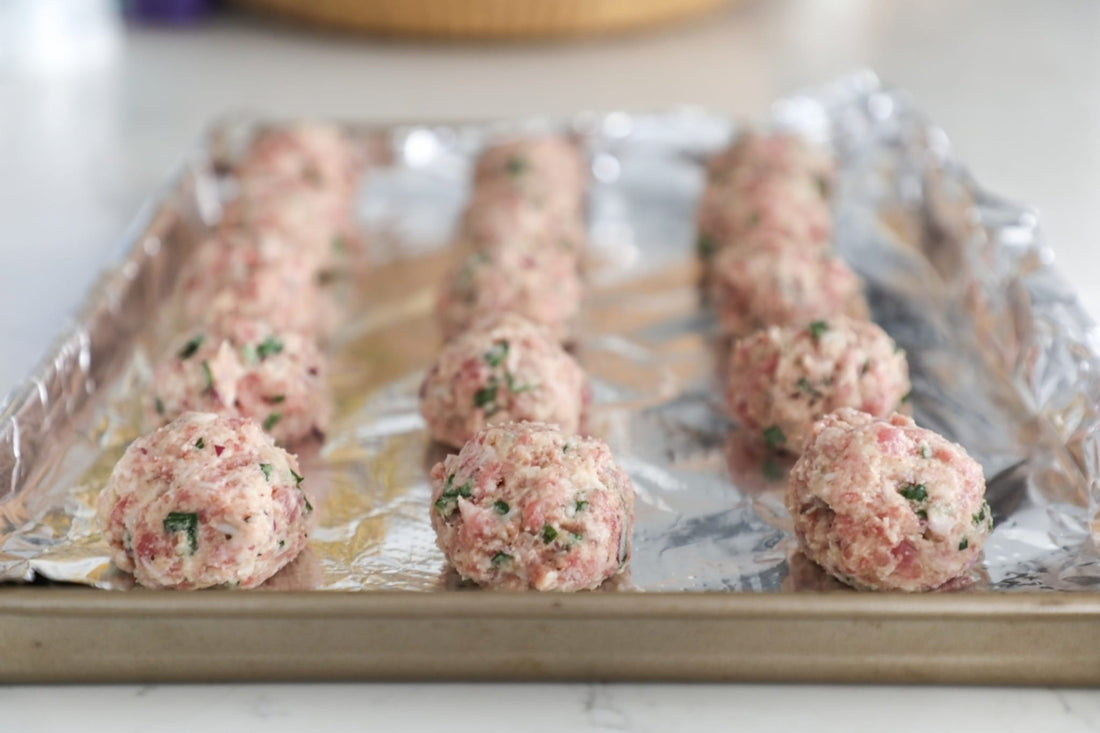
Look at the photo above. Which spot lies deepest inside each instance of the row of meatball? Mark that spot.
(527, 502)
(876, 501)
(209, 498)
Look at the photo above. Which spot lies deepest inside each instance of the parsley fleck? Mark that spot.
(516, 166)
(277, 399)
(517, 389)
(774, 436)
(771, 469)
(865, 368)
(549, 534)
(496, 355)
(158, 405)
(487, 396)
(805, 386)
(922, 514)
(500, 558)
(448, 499)
(906, 397)
(979, 518)
(309, 507)
(191, 347)
(269, 347)
(208, 377)
(580, 505)
(266, 468)
(964, 543)
(184, 522)
(817, 328)
(282, 544)
(925, 452)
(200, 443)
(914, 492)
(297, 479)
(705, 246)
(272, 420)
(501, 507)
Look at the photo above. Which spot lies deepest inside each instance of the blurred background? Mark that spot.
(98, 98)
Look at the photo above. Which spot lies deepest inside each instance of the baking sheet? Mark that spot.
(1002, 356)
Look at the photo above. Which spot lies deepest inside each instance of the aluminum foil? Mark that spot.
(1003, 358)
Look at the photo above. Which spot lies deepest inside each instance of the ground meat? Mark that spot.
(524, 505)
(249, 369)
(777, 154)
(788, 286)
(542, 286)
(239, 275)
(762, 213)
(497, 217)
(310, 154)
(548, 168)
(780, 381)
(885, 505)
(204, 501)
(504, 370)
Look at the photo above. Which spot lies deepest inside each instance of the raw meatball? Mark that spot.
(498, 218)
(501, 371)
(782, 380)
(524, 505)
(240, 275)
(764, 213)
(541, 285)
(788, 286)
(204, 501)
(776, 154)
(547, 167)
(309, 154)
(885, 505)
(249, 369)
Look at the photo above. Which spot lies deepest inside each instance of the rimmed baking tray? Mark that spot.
(1015, 347)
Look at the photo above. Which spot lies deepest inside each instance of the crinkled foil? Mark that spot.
(1004, 359)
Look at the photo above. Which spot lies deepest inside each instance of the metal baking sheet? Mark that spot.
(1004, 361)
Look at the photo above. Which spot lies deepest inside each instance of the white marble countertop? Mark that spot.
(90, 122)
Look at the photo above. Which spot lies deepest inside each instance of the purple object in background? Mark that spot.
(166, 11)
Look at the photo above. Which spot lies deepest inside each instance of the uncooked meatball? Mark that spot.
(504, 370)
(524, 505)
(788, 286)
(308, 154)
(496, 218)
(781, 380)
(239, 275)
(542, 286)
(882, 504)
(204, 501)
(249, 369)
(776, 154)
(547, 167)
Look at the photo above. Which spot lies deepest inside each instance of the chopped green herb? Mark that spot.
(448, 499)
(191, 347)
(208, 377)
(282, 544)
(549, 534)
(914, 492)
(979, 518)
(866, 367)
(266, 468)
(496, 355)
(487, 396)
(922, 514)
(516, 166)
(200, 443)
(805, 386)
(925, 452)
(339, 244)
(501, 507)
(184, 522)
(277, 399)
(517, 389)
(817, 328)
(158, 405)
(565, 448)
(269, 347)
(964, 543)
(906, 397)
(771, 469)
(580, 505)
(500, 558)
(774, 436)
(575, 537)
(248, 353)
(705, 246)
(309, 507)
(272, 420)
(297, 479)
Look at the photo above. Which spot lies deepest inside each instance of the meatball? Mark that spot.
(309, 154)
(548, 167)
(204, 501)
(787, 286)
(497, 218)
(882, 504)
(776, 154)
(504, 370)
(764, 213)
(524, 505)
(541, 285)
(242, 275)
(248, 369)
(782, 380)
